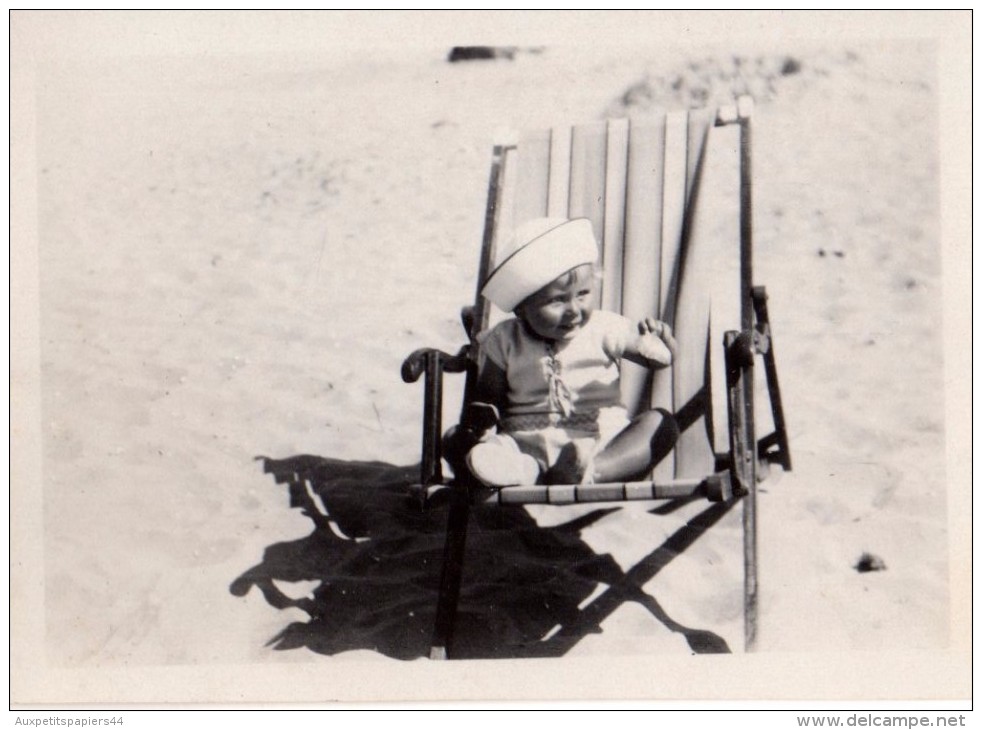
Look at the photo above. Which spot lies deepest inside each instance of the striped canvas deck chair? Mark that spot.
(670, 201)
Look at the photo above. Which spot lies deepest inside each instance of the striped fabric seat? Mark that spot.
(638, 181)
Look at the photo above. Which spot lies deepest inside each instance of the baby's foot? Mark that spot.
(574, 465)
(496, 466)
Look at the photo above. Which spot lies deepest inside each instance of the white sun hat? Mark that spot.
(542, 250)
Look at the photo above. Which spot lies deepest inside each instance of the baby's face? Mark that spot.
(558, 310)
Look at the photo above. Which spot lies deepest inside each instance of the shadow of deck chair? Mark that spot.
(669, 197)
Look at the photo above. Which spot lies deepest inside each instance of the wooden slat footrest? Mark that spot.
(715, 488)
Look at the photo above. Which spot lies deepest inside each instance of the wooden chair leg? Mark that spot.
(750, 569)
(739, 366)
(453, 564)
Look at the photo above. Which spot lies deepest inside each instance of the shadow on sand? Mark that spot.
(377, 557)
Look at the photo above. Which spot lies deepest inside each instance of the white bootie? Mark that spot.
(499, 465)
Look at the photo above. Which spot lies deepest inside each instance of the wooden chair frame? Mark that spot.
(736, 473)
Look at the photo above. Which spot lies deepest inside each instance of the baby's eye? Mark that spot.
(584, 293)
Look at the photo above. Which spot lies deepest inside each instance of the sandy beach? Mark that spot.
(236, 252)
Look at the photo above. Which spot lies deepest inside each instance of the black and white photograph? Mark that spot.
(490, 355)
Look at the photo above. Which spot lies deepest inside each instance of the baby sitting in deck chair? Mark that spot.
(552, 373)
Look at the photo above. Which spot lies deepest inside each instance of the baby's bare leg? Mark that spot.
(636, 449)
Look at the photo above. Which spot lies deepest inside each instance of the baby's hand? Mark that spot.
(656, 342)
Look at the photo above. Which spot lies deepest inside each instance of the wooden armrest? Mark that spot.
(415, 365)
